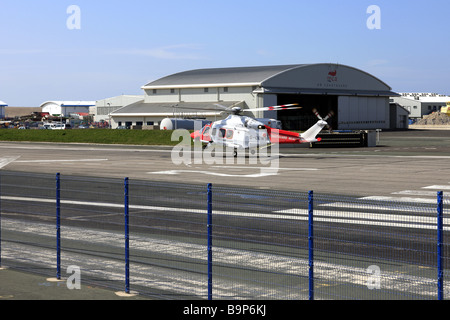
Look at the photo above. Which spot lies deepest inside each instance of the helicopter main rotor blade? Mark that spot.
(276, 108)
(178, 108)
(221, 106)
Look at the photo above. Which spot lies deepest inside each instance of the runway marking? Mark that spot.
(416, 193)
(437, 187)
(4, 161)
(189, 283)
(394, 207)
(287, 169)
(128, 148)
(401, 199)
(335, 154)
(62, 160)
(333, 216)
(264, 173)
(377, 219)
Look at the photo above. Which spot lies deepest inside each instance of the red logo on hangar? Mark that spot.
(332, 74)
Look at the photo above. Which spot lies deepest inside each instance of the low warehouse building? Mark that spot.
(360, 101)
(421, 104)
(66, 108)
(2, 109)
(104, 107)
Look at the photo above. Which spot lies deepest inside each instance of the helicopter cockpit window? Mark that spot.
(222, 133)
(229, 134)
(206, 131)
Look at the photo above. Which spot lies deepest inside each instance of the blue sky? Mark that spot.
(122, 45)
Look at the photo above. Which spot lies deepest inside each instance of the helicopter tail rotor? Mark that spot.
(328, 116)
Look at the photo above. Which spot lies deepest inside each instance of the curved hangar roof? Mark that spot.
(322, 78)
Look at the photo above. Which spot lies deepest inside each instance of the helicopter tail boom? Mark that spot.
(310, 134)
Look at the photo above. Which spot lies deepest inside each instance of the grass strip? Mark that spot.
(102, 136)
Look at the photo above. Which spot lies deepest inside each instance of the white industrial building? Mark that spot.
(358, 99)
(2, 109)
(66, 108)
(104, 107)
(420, 104)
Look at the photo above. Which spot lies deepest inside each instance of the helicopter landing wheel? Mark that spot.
(235, 153)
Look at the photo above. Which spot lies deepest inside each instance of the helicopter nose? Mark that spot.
(193, 134)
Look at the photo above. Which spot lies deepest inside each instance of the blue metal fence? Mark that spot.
(177, 241)
(311, 243)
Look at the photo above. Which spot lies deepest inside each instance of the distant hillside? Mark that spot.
(11, 112)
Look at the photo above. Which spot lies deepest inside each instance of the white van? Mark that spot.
(56, 126)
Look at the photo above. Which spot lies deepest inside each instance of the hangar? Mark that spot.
(359, 100)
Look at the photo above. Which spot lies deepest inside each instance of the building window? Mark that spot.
(154, 91)
(172, 90)
(225, 89)
(205, 90)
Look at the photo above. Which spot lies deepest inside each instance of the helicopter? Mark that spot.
(241, 132)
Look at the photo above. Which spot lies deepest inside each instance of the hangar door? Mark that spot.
(304, 118)
(363, 113)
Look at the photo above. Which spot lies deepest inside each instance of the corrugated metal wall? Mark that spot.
(363, 113)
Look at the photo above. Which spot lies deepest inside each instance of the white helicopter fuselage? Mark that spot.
(239, 132)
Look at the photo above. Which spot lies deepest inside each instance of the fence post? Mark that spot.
(209, 226)
(440, 274)
(0, 218)
(127, 238)
(58, 226)
(311, 244)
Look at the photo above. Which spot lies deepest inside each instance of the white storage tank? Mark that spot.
(188, 124)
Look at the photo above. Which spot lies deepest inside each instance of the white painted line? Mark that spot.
(438, 187)
(401, 199)
(399, 207)
(83, 147)
(333, 216)
(416, 193)
(286, 169)
(266, 172)
(4, 161)
(366, 218)
(334, 154)
(64, 160)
